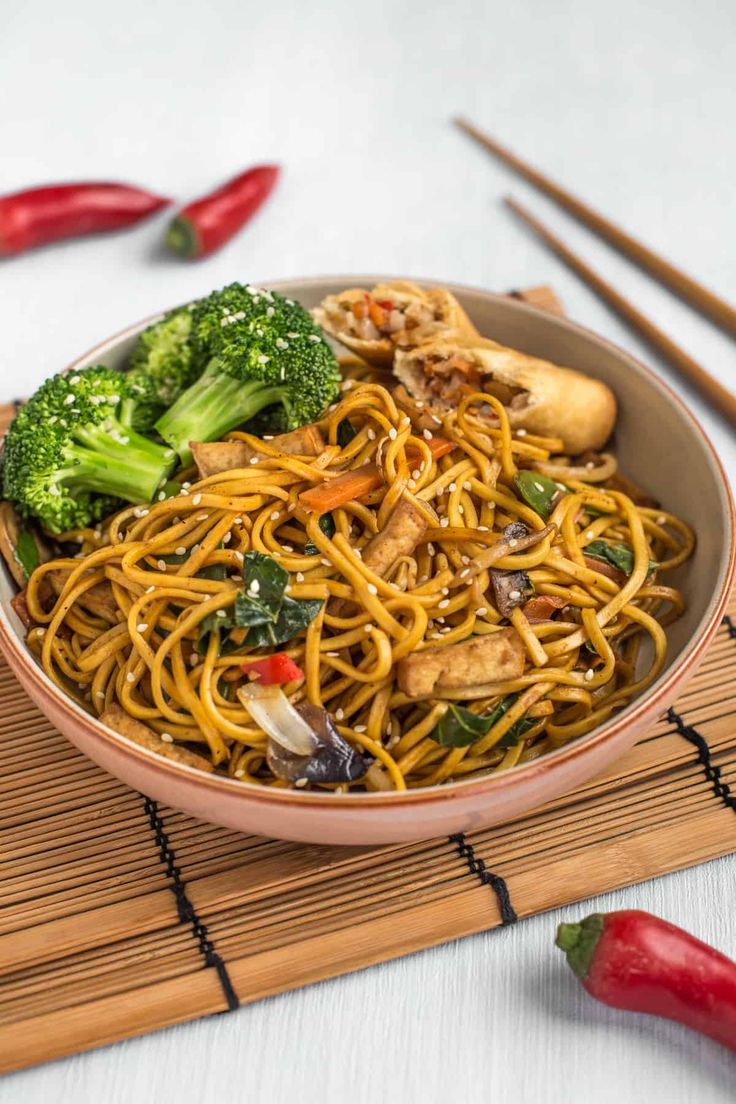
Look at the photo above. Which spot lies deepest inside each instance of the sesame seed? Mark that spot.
(371, 434)
(193, 660)
(287, 588)
(201, 517)
(467, 485)
(68, 400)
(368, 628)
(130, 677)
(590, 465)
(291, 333)
(167, 737)
(326, 563)
(181, 550)
(339, 714)
(392, 433)
(332, 655)
(263, 359)
(196, 500)
(227, 538)
(99, 693)
(514, 595)
(431, 548)
(589, 535)
(443, 604)
(589, 674)
(661, 520)
(465, 571)
(405, 422)
(372, 588)
(412, 484)
(300, 577)
(221, 613)
(300, 783)
(521, 433)
(253, 460)
(445, 590)
(513, 542)
(142, 627)
(314, 337)
(452, 487)
(275, 515)
(482, 528)
(444, 522)
(254, 587)
(240, 773)
(161, 495)
(360, 728)
(426, 434)
(447, 628)
(236, 521)
(481, 611)
(239, 556)
(539, 486)
(461, 509)
(416, 474)
(419, 404)
(161, 565)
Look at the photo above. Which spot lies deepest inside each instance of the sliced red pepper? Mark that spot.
(386, 304)
(542, 607)
(206, 224)
(38, 216)
(274, 670)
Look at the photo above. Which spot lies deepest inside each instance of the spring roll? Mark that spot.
(401, 314)
(539, 396)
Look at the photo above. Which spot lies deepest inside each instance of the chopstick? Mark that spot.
(719, 396)
(704, 300)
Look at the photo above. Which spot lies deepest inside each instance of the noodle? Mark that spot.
(174, 569)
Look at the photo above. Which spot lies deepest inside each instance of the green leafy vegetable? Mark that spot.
(327, 525)
(538, 491)
(620, 556)
(26, 552)
(345, 432)
(460, 727)
(293, 616)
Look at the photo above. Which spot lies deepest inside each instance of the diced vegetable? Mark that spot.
(460, 727)
(619, 555)
(327, 525)
(273, 712)
(538, 491)
(274, 670)
(543, 607)
(26, 552)
(346, 431)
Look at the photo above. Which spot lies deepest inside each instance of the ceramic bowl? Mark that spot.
(659, 444)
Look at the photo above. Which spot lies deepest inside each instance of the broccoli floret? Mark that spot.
(258, 352)
(161, 367)
(68, 458)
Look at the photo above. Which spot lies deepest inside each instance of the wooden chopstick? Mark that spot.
(707, 302)
(719, 396)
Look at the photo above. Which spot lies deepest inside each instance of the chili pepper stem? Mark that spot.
(579, 942)
(181, 238)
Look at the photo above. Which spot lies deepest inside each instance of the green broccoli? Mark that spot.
(68, 457)
(161, 367)
(257, 352)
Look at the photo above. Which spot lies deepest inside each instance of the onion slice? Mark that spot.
(273, 712)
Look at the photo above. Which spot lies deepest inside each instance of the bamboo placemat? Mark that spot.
(119, 915)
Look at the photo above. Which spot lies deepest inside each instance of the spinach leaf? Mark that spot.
(345, 432)
(217, 572)
(538, 491)
(293, 616)
(517, 732)
(208, 625)
(327, 525)
(460, 727)
(26, 552)
(620, 556)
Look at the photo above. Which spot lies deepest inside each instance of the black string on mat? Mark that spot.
(184, 907)
(477, 868)
(730, 627)
(713, 773)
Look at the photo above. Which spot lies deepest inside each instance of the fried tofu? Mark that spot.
(214, 457)
(119, 721)
(403, 531)
(98, 600)
(497, 657)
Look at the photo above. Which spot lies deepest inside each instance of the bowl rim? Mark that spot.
(487, 784)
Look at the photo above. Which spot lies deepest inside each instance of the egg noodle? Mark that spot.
(157, 565)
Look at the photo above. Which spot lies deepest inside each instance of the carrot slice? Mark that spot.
(361, 481)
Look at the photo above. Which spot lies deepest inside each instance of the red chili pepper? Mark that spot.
(542, 607)
(274, 670)
(206, 224)
(636, 961)
(41, 215)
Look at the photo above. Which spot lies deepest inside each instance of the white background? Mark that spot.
(630, 103)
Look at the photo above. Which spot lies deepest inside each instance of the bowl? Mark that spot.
(659, 444)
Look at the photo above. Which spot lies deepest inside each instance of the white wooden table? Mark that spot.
(633, 106)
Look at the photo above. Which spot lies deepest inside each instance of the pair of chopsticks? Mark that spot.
(705, 301)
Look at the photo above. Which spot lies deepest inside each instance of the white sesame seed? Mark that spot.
(142, 627)
(465, 571)
(196, 500)
(539, 486)
(221, 613)
(427, 434)
(167, 737)
(300, 577)
(444, 522)
(589, 674)
(411, 484)
(416, 474)
(201, 517)
(275, 515)
(99, 693)
(589, 535)
(130, 677)
(68, 400)
(452, 487)
(467, 485)
(161, 565)
(483, 529)
(254, 587)
(360, 728)
(514, 595)
(332, 655)
(181, 550)
(521, 433)
(193, 660)
(237, 521)
(513, 542)
(431, 548)
(590, 465)
(443, 604)
(240, 773)
(239, 556)
(300, 783)
(253, 460)
(339, 714)
(368, 628)
(481, 611)
(161, 495)
(314, 337)
(419, 404)
(461, 509)
(371, 434)
(661, 520)
(287, 588)
(372, 588)
(325, 562)
(392, 433)
(445, 590)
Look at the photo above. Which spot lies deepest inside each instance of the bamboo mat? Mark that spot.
(119, 915)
